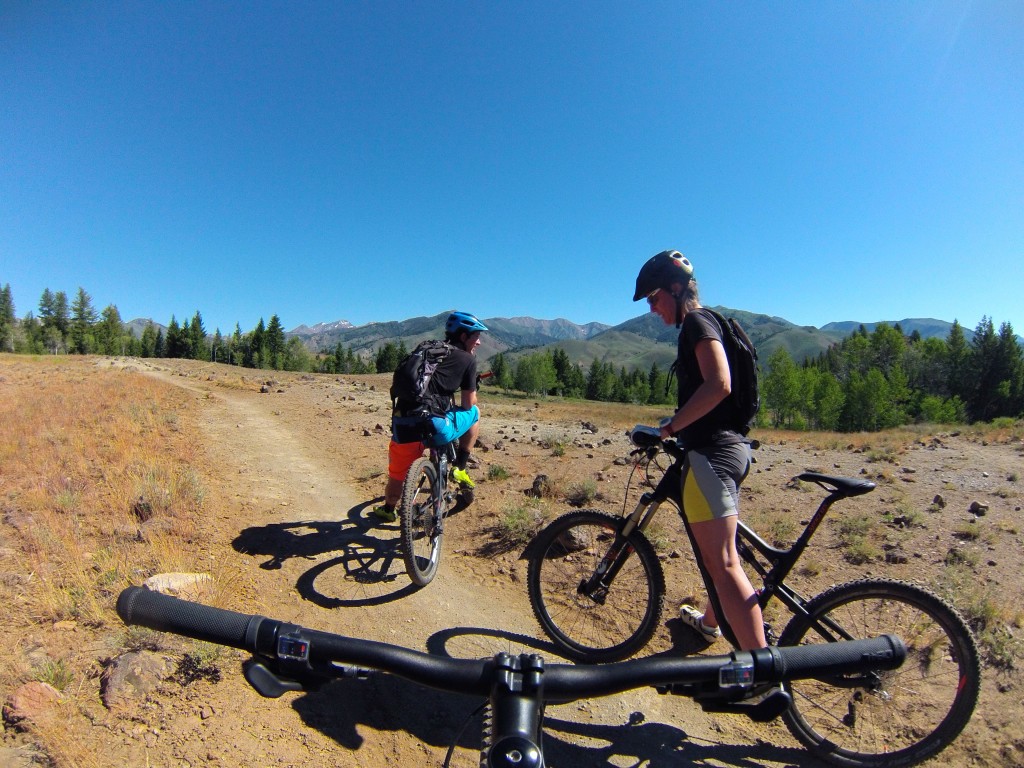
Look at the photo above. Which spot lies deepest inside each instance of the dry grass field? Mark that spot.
(113, 470)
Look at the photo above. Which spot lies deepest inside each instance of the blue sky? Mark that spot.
(819, 161)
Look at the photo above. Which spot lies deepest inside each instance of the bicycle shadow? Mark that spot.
(344, 709)
(366, 572)
(638, 742)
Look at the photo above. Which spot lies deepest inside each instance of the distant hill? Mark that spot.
(138, 325)
(636, 343)
(504, 334)
(322, 328)
(628, 344)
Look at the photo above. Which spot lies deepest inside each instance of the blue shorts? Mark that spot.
(453, 426)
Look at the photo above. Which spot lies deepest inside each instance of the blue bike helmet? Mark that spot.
(463, 321)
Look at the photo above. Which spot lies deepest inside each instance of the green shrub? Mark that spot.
(497, 472)
(55, 673)
(581, 492)
(520, 523)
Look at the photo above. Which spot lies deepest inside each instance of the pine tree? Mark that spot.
(111, 336)
(7, 319)
(218, 353)
(149, 340)
(959, 361)
(82, 321)
(198, 349)
(54, 320)
(502, 371)
(174, 344)
(1009, 371)
(275, 343)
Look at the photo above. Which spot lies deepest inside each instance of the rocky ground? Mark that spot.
(292, 463)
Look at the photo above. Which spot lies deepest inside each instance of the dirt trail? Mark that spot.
(295, 531)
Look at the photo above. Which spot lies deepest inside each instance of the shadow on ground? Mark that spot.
(367, 568)
(344, 710)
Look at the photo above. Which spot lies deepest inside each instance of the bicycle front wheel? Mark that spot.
(895, 718)
(597, 595)
(421, 523)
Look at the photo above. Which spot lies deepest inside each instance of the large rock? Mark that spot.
(29, 702)
(187, 586)
(132, 676)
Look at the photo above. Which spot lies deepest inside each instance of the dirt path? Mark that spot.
(295, 533)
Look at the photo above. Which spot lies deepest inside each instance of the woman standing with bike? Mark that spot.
(718, 456)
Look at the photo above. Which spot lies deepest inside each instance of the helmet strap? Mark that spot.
(679, 310)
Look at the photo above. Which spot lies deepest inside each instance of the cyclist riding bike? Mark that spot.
(413, 430)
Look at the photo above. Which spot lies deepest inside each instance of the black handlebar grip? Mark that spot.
(825, 659)
(137, 605)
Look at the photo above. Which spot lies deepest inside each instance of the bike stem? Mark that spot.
(518, 686)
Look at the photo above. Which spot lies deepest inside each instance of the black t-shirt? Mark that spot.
(715, 428)
(456, 373)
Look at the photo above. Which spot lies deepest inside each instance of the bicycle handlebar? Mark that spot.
(319, 654)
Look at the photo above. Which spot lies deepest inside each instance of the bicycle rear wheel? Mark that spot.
(595, 619)
(895, 718)
(421, 530)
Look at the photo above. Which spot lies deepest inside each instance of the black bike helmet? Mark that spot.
(463, 321)
(661, 271)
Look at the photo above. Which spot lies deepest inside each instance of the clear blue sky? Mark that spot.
(369, 161)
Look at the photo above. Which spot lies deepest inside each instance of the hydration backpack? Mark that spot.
(742, 356)
(410, 386)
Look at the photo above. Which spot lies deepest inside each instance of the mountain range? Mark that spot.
(628, 344)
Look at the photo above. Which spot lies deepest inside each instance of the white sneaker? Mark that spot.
(694, 619)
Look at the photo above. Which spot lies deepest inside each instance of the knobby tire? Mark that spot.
(563, 556)
(901, 717)
(421, 543)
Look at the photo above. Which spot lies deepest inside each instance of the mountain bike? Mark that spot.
(426, 500)
(597, 588)
(514, 688)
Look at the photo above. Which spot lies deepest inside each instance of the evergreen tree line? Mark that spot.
(77, 328)
(873, 381)
(551, 372)
(867, 382)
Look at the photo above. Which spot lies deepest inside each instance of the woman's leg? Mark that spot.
(710, 495)
(717, 542)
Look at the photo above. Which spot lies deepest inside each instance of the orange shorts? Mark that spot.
(400, 458)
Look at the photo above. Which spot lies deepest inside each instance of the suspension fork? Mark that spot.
(440, 459)
(597, 586)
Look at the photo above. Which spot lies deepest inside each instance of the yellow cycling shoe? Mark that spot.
(461, 477)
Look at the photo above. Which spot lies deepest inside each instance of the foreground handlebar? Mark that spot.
(277, 640)
(137, 605)
(323, 652)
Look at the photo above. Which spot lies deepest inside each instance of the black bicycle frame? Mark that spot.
(749, 545)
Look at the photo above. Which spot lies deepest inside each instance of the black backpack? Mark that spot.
(742, 357)
(410, 386)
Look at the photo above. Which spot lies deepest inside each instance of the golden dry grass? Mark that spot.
(79, 449)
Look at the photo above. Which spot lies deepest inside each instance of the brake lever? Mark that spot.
(271, 684)
(266, 683)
